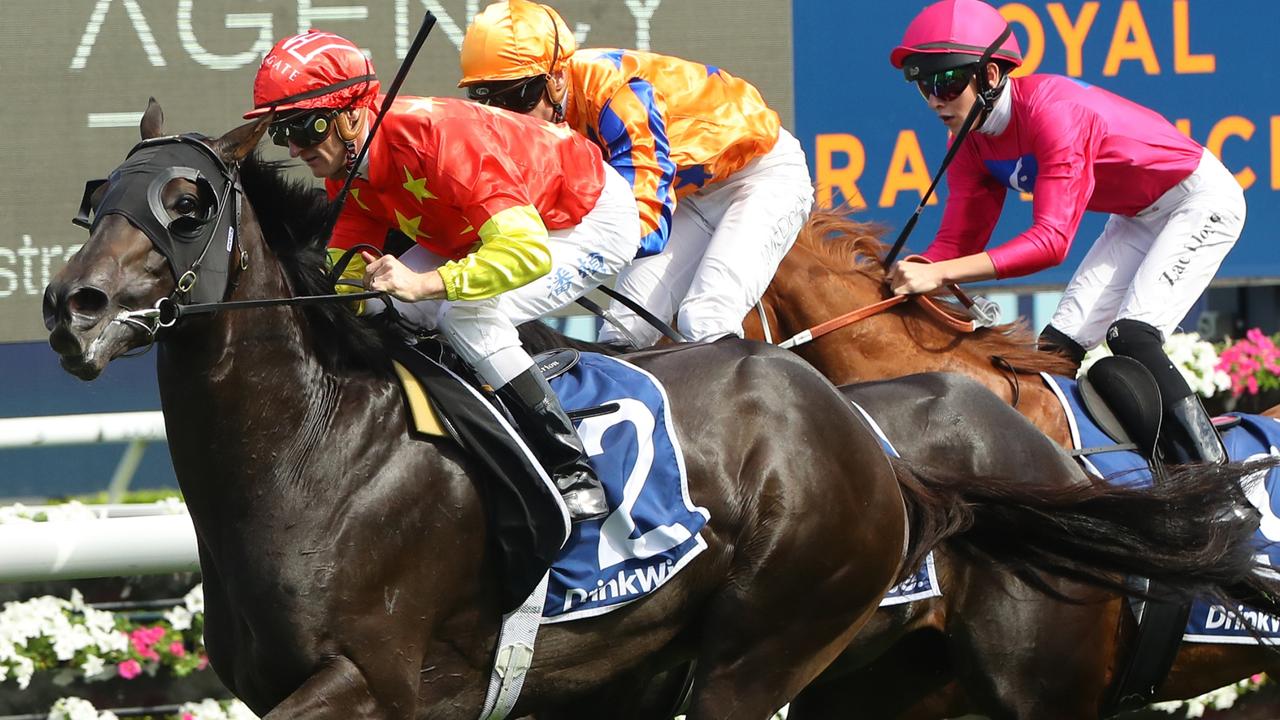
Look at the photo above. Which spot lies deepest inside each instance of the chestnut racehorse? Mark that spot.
(833, 269)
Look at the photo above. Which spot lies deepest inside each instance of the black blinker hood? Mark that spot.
(198, 249)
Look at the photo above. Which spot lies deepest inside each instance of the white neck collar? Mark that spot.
(998, 118)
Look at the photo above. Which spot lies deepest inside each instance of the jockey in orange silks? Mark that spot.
(721, 188)
(512, 217)
(1175, 211)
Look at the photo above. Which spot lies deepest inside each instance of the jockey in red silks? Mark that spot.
(1175, 211)
(721, 188)
(512, 217)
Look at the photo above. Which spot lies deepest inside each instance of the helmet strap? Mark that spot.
(348, 132)
(986, 93)
(557, 104)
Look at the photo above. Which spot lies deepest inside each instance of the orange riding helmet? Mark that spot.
(515, 39)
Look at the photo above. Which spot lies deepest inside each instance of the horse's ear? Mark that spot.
(237, 144)
(152, 125)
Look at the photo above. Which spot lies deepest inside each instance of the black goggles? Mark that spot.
(520, 95)
(304, 130)
(947, 85)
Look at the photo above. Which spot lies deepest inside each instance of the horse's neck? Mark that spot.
(241, 380)
(806, 291)
(811, 292)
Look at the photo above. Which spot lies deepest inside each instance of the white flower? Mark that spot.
(194, 600)
(23, 669)
(172, 506)
(1223, 698)
(71, 628)
(237, 710)
(15, 513)
(92, 665)
(73, 708)
(179, 617)
(1194, 358)
(204, 710)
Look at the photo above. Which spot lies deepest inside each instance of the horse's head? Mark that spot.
(163, 225)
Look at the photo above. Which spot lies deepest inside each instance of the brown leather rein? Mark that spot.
(926, 303)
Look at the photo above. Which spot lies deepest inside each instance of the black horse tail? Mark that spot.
(1193, 535)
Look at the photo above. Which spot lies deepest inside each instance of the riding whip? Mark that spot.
(428, 22)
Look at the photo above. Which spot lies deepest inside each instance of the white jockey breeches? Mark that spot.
(1154, 266)
(725, 245)
(483, 332)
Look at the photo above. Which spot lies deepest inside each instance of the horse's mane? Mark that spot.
(852, 246)
(293, 216)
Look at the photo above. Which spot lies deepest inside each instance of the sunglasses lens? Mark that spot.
(946, 85)
(306, 131)
(522, 96)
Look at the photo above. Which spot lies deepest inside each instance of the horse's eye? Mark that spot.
(187, 205)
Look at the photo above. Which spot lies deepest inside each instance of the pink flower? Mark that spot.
(204, 662)
(129, 669)
(188, 716)
(1252, 363)
(177, 649)
(143, 640)
(1255, 679)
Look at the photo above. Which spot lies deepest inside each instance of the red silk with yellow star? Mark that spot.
(440, 168)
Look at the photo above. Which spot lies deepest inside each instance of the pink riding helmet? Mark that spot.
(951, 33)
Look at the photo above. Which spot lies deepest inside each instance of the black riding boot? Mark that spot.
(1053, 340)
(554, 441)
(1191, 435)
(1187, 434)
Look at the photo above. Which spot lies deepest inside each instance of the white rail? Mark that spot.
(53, 430)
(115, 545)
(98, 548)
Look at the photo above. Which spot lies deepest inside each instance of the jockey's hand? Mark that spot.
(387, 274)
(909, 277)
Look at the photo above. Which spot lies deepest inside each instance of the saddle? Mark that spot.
(1122, 397)
(445, 401)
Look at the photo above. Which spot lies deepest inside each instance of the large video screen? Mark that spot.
(78, 75)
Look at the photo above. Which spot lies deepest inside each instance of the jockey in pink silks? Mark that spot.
(1175, 211)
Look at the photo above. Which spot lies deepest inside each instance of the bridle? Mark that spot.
(135, 191)
(201, 272)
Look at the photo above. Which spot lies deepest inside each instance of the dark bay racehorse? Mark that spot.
(975, 638)
(346, 567)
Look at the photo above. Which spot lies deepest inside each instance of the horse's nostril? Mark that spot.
(89, 301)
(49, 308)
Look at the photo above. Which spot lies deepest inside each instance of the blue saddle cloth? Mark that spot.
(1255, 437)
(924, 583)
(654, 528)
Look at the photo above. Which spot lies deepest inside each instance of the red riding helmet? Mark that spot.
(313, 70)
(952, 33)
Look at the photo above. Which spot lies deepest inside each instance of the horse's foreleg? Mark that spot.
(336, 690)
